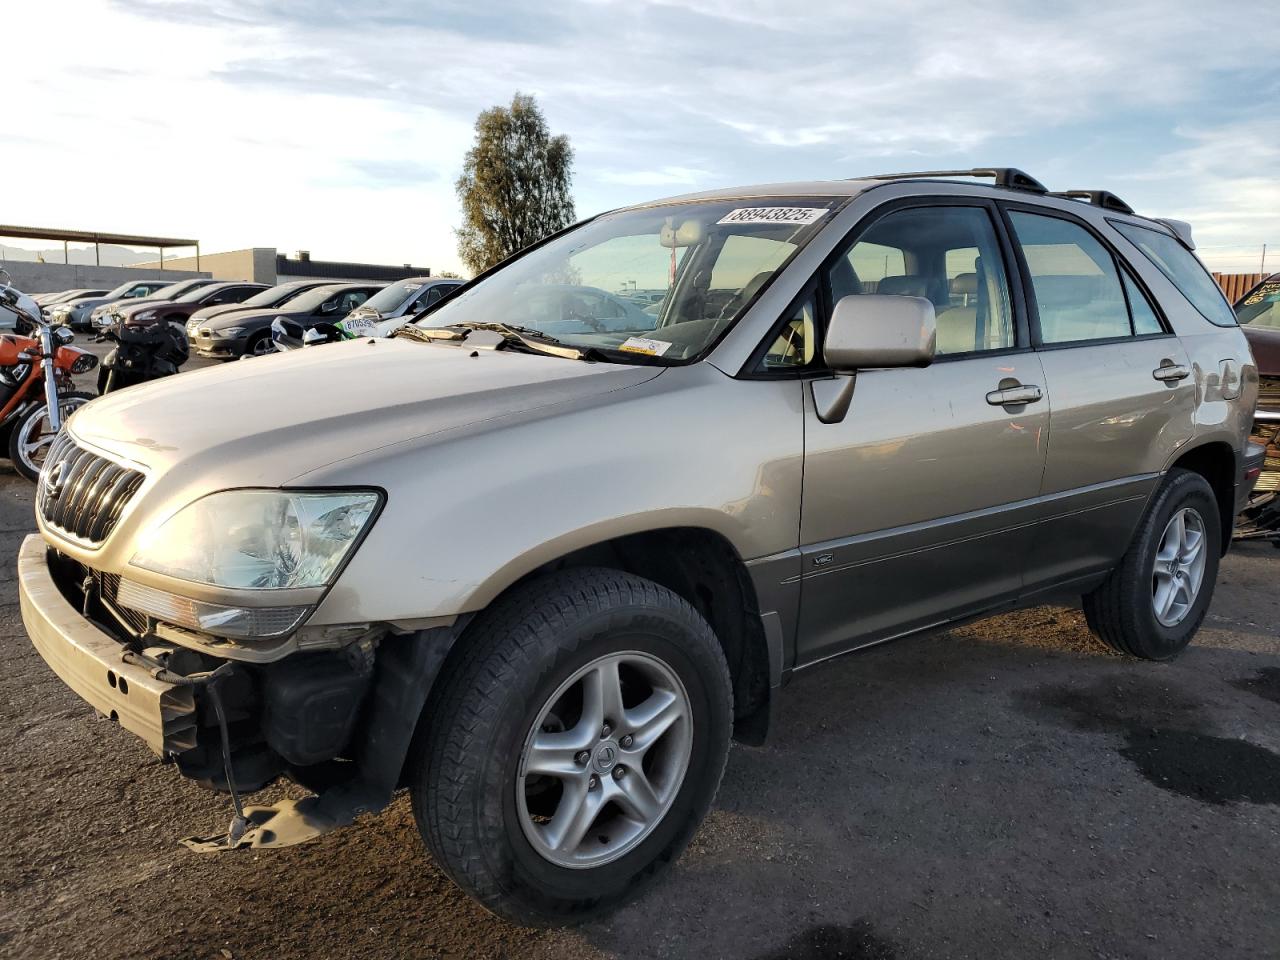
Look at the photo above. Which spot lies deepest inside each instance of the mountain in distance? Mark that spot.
(110, 255)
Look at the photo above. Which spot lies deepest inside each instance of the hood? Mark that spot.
(268, 420)
(221, 310)
(129, 308)
(81, 302)
(1265, 343)
(256, 315)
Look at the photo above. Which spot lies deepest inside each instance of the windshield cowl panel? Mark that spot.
(660, 284)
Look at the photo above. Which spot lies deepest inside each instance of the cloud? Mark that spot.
(256, 115)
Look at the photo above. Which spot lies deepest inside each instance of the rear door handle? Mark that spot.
(1171, 371)
(1015, 396)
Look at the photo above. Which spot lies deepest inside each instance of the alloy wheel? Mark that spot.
(1179, 567)
(35, 437)
(604, 760)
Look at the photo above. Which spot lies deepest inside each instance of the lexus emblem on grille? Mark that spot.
(53, 482)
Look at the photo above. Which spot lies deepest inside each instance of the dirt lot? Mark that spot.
(1010, 789)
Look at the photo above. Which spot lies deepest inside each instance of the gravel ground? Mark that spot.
(1010, 789)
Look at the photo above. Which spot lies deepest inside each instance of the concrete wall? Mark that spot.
(31, 277)
(256, 264)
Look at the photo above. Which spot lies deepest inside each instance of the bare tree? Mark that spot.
(514, 186)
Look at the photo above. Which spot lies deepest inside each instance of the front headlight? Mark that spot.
(230, 332)
(258, 539)
(145, 315)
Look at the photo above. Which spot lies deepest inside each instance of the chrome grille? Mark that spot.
(81, 494)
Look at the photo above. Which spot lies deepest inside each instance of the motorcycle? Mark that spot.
(36, 391)
(289, 335)
(143, 352)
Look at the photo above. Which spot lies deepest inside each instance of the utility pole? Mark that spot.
(1263, 268)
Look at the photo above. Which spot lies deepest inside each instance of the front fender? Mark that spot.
(479, 507)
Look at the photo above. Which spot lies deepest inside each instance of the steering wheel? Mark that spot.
(571, 312)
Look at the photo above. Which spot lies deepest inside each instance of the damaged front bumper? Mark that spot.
(91, 662)
(337, 721)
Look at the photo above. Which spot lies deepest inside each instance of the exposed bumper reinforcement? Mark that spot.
(89, 662)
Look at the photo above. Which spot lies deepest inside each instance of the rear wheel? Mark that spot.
(575, 747)
(30, 438)
(1153, 603)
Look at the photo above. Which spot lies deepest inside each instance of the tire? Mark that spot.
(259, 345)
(473, 797)
(1125, 610)
(29, 427)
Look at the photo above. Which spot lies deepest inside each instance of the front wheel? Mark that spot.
(30, 437)
(575, 746)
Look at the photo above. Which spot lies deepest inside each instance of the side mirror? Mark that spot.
(871, 331)
(875, 330)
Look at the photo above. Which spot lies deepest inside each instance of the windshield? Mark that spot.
(665, 281)
(198, 293)
(170, 292)
(312, 298)
(274, 296)
(121, 290)
(390, 297)
(1261, 308)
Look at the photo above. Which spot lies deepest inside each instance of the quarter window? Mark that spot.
(794, 345)
(1183, 270)
(1145, 320)
(1078, 291)
(948, 255)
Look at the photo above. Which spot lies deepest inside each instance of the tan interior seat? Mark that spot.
(958, 325)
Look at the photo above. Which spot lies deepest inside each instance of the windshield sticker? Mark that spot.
(800, 216)
(410, 287)
(650, 348)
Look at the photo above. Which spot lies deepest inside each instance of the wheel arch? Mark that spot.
(703, 567)
(1215, 460)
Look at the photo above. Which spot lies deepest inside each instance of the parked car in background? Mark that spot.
(541, 575)
(98, 318)
(248, 332)
(391, 306)
(62, 296)
(1258, 312)
(180, 309)
(77, 313)
(275, 296)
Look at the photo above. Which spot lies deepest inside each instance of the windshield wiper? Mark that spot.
(530, 339)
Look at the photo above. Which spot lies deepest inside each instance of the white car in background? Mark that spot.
(392, 306)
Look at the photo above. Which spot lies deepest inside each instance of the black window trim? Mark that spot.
(817, 283)
(1117, 261)
(1117, 224)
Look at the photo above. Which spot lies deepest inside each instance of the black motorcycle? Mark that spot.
(143, 352)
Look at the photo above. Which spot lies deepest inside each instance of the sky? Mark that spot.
(340, 127)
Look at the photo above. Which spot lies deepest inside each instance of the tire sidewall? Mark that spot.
(15, 454)
(1183, 490)
(544, 889)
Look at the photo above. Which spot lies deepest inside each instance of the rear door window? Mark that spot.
(1079, 296)
(1183, 270)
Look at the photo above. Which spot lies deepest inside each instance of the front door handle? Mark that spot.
(1015, 396)
(1168, 372)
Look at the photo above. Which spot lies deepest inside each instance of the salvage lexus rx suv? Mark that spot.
(540, 570)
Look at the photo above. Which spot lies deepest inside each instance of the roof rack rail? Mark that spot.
(1098, 198)
(1010, 177)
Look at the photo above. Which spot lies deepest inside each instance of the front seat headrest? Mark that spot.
(965, 285)
(907, 286)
